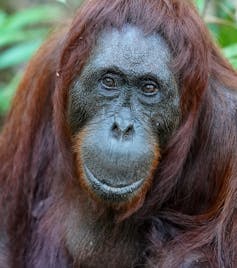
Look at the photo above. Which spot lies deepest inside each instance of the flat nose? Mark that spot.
(123, 125)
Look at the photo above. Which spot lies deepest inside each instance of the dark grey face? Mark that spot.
(122, 110)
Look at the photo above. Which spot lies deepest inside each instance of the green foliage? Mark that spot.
(221, 18)
(7, 92)
(21, 34)
(18, 53)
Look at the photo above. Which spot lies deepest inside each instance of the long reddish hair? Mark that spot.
(195, 184)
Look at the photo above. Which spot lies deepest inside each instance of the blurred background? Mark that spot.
(25, 24)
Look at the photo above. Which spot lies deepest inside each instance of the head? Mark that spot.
(124, 80)
(123, 108)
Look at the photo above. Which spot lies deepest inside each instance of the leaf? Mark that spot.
(31, 16)
(3, 17)
(11, 37)
(18, 54)
(200, 5)
(234, 63)
(62, 1)
(7, 93)
(230, 51)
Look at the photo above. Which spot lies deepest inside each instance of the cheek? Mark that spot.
(82, 105)
(165, 120)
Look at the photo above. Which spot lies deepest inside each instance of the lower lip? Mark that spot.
(106, 190)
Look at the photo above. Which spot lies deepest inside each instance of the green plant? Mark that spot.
(23, 32)
(20, 36)
(221, 18)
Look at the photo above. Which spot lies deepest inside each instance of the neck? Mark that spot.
(94, 236)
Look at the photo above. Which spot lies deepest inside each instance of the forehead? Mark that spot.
(131, 51)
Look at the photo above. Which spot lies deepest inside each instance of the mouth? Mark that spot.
(109, 192)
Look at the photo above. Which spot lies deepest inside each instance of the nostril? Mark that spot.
(122, 131)
(115, 127)
(129, 131)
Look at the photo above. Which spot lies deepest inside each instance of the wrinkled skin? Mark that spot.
(126, 104)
